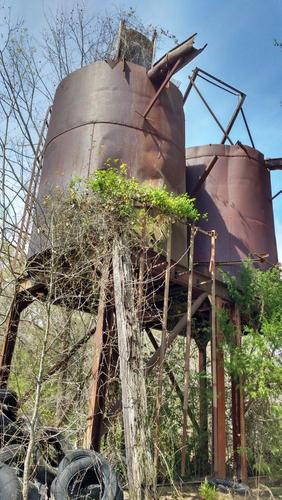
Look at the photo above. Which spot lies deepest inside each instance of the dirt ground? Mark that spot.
(191, 492)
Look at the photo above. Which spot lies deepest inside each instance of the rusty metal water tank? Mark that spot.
(97, 114)
(237, 198)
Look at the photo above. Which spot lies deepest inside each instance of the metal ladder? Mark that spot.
(31, 194)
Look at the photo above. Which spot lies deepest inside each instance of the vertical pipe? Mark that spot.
(235, 425)
(162, 346)
(238, 412)
(203, 435)
(221, 433)
(187, 353)
(213, 352)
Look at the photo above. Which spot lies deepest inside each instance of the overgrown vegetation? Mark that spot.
(79, 232)
(76, 237)
(258, 295)
(127, 199)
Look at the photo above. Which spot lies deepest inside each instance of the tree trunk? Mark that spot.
(141, 477)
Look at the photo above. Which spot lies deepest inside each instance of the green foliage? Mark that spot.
(245, 292)
(207, 492)
(122, 195)
(258, 295)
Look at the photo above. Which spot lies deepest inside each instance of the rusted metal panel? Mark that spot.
(134, 46)
(97, 115)
(237, 197)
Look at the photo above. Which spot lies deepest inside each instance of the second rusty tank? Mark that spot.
(236, 195)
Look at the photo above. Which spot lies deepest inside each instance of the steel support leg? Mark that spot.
(106, 361)
(219, 433)
(238, 412)
(18, 305)
(203, 435)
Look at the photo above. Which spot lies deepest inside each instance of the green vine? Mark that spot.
(126, 198)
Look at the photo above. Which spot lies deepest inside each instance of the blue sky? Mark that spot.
(240, 36)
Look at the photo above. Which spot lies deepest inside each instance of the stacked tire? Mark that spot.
(58, 471)
(86, 474)
(13, 443)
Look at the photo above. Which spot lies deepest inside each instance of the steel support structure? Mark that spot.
(200, 73)
(238, 411)
(100, 368)
(20, 302)
(199, 288)
(217, 366)
(219, 441)
(203, 410)
(187, 354)
(162, 87)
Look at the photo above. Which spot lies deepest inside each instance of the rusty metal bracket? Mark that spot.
(210, 110)
(247, 127)
(244, 149)
(190, 85)
(197, 72)
(205, 174)
(233, 118)
(273, 163)
(161, 88)
(277, 194)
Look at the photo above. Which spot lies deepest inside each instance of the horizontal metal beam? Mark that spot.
(274, 163)
(239, 92)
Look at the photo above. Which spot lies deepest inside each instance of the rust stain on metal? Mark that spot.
(237, 197)
(96, 116)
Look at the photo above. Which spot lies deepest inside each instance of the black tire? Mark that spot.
(74, 455)
(44, 475)
(9, 403)
(83, 472)
(33, 492)
(8, 430)
(89, 493)
(55, 437)
(10, 487)
(82, 453)
(13, 455)
(53, 440)
(11, 432)
(46, 464)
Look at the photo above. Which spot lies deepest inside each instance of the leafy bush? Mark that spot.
(207, 492)
(122, 195)
(258, 295)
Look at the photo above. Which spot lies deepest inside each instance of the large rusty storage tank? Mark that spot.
(97, 114)
(237, 198)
